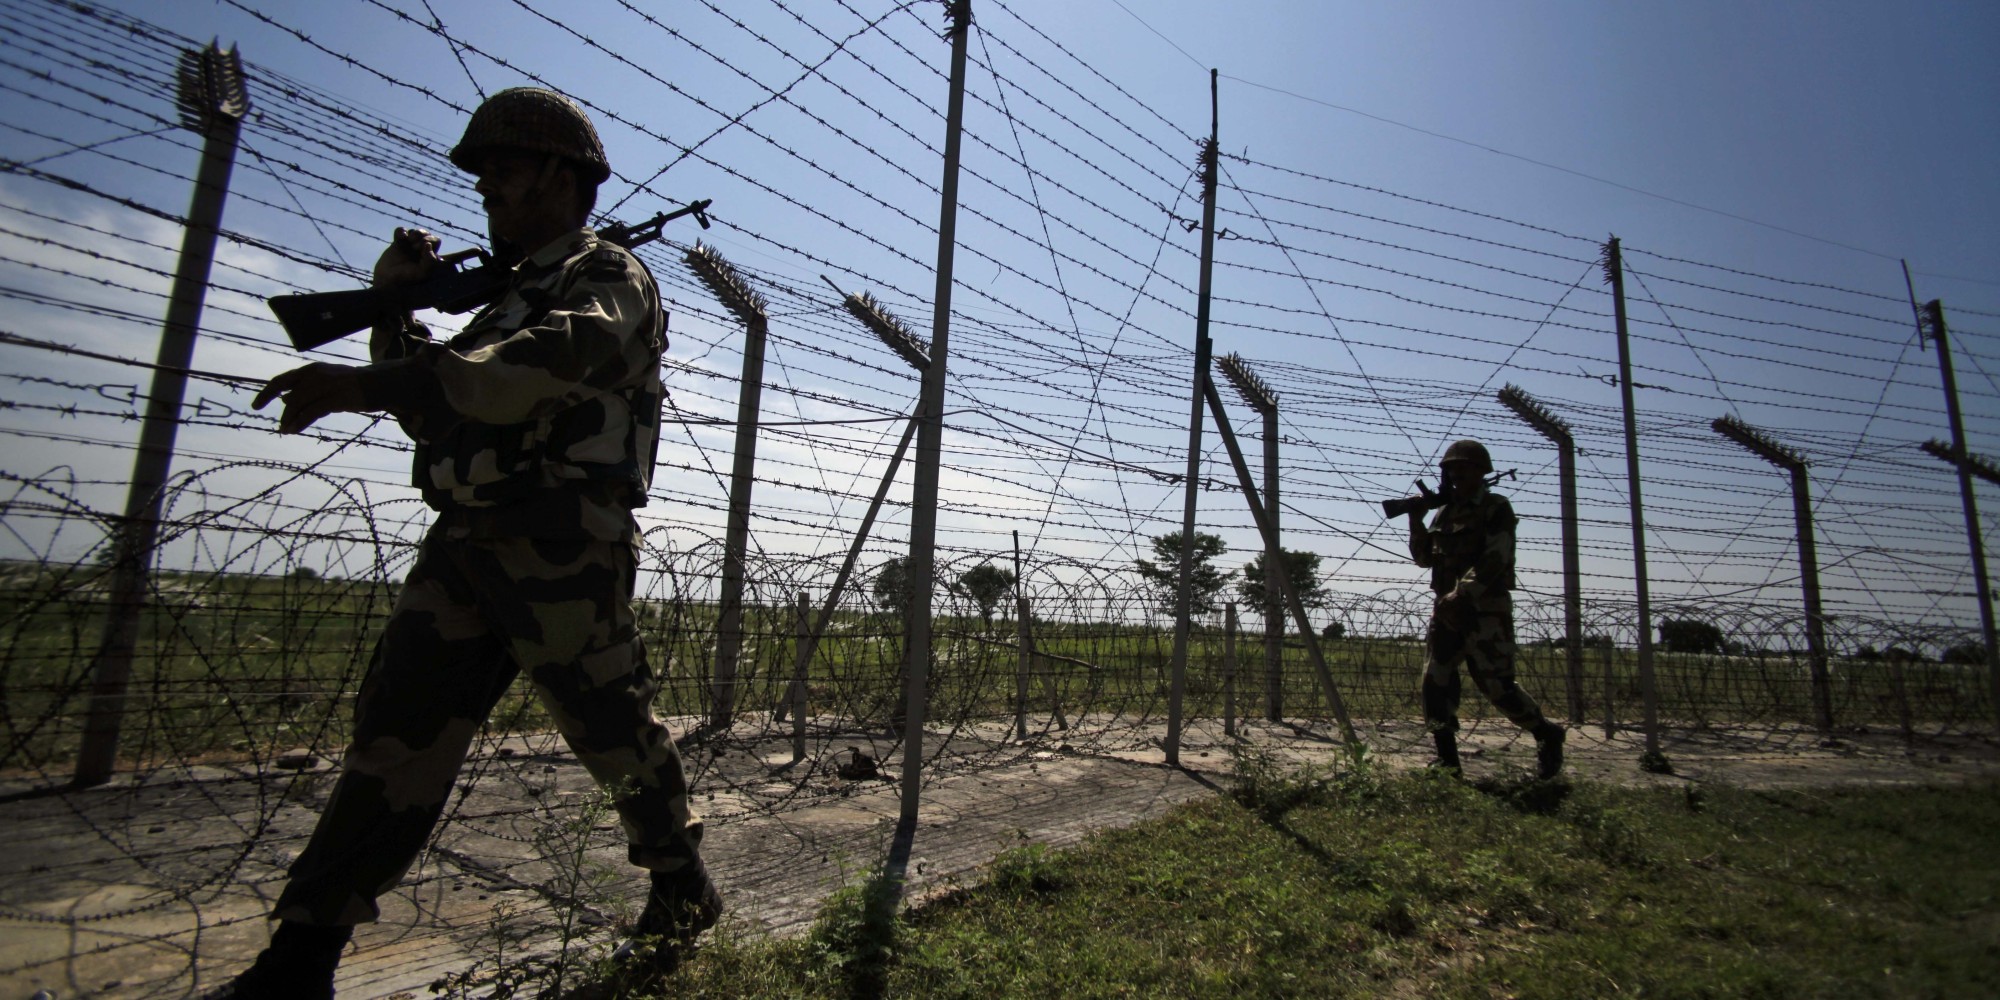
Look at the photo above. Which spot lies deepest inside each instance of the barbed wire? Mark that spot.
(1077, 359)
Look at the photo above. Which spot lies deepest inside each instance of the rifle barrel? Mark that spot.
(318, 318)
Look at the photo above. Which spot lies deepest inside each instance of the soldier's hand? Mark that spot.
(1455, 611)
(312, 392)
(411, 257)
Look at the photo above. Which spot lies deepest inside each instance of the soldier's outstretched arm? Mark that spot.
(310, 392)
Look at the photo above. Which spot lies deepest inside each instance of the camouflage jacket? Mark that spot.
(541, 418)
(1469, 548)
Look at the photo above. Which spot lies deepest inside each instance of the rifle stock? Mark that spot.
(318, 318)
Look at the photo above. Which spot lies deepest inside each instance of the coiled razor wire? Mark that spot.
(263, 613)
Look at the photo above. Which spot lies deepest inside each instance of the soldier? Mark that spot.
(1469, 549)
(535, 434)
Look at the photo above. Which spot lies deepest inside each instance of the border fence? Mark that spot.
(1060, 414)
(248, 656)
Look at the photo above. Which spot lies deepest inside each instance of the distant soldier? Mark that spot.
(1469, 549)
(535, 433)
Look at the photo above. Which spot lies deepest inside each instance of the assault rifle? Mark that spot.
(1427, 499)
(324, 317)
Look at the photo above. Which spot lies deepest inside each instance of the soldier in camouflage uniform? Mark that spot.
(1469, 549)
(535, 433)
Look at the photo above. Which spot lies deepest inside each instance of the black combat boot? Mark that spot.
(1447, 748)
(1549, 739)
(681, 905)
(297, 965)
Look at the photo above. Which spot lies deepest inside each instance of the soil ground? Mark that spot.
(157, 887)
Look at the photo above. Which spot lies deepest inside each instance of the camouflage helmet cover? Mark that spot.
(1468, 451)
(535, 120)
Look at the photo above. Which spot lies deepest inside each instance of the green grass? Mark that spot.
(1356, 884)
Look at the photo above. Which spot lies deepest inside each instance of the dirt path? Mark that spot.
(159, 889)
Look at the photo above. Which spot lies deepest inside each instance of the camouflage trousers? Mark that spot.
(472, 615)
(1487, 652)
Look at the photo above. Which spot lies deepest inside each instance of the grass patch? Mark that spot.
(1353, 883)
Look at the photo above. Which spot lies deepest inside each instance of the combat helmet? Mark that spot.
(536, 120)
(1469, 450)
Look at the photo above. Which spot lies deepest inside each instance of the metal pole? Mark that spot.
(1934, 317)
(1610, 686)
(212, 101)
(1265, 402)
(1183, 597)
(930, 444)
(1274, 621)
(801, 664)
(877, 319)
(1249, 487)
(1614, 268)
(1768, 449)
(1572, 582)
(749, 307)
(1021, 641)
(1024, 640)
(1229, 668)
(1809, 582)
(736, 539)
(854, 548)
(1558, 431)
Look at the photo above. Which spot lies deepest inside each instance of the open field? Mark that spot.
(243, 667)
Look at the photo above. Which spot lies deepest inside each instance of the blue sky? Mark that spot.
(1381, 278)
(1865, 124)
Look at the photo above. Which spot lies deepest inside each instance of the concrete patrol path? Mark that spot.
(158, 888)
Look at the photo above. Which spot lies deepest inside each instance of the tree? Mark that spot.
(1205, 581)
(1301, 568)
(1970, 653)
(1687, 635)
(1334, 631)
(892, 585)
(985, 584)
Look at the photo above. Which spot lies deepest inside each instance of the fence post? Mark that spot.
(1614, 270)
(1025, 642)
(1265, 402)
(854, 548)
(213, 101)
(1933, 319)
(1558, 431)
(917, 354)
(1229, 669)
(1764, 447)
(802, 652)
(1314, 652)
(1610, 678)
(749, 306)
(1183, 598)
(930, 447)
